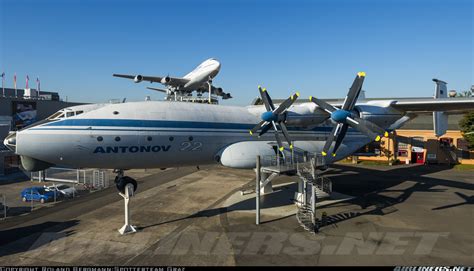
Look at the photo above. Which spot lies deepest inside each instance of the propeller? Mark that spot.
(344, 118)
(274, 117)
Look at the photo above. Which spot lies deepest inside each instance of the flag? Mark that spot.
(14, 80)
(27, 79)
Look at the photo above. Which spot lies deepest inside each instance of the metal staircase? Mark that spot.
(312, 186)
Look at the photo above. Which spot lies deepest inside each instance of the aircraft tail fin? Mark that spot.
(440, 119)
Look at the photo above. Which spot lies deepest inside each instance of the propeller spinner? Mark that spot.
(344, 118)
(274, 117)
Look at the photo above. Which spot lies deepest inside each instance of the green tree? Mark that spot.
(467, 93)
(467, 128)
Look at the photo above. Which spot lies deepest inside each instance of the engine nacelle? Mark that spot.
(165, 80)
(304, 116)
(138, 78)
(226, 96)
(383, 116)
(219, 91)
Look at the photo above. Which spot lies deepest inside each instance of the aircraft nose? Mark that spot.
(10, 141)
(218, 65)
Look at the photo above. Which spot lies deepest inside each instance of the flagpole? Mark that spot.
(3, 83)
(38, 87)
(14, 81)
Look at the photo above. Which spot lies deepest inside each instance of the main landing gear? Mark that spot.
(126, 187)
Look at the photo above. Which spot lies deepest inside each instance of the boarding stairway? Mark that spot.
(312, 186)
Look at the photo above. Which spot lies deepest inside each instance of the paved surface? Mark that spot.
(12, 187)
(402, 215)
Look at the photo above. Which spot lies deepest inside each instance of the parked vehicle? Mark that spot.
(62, 190)
(37, 193)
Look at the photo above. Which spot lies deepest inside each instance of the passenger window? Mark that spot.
(79, 112)
(69, 114)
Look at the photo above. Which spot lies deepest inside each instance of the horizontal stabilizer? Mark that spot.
(158, 89)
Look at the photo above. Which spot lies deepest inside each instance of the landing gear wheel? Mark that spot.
(121, 183)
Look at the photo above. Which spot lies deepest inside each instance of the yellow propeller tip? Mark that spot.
(291, 147)
(297, 94)
(259, 86)
(310, 98)
(386, 134)
(377, 138)
(250, 132)
(324, 153)
(361, 74)
(281, 148)
(333, 155)
(264, 89)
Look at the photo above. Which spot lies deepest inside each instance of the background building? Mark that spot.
(416, 142)
(20, 108)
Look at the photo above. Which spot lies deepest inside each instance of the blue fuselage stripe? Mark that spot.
(137, 124)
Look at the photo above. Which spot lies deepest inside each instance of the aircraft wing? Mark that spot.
(169, 81)
(430, 105)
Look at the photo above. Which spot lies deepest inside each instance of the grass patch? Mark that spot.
(464, 167)
(373, 163)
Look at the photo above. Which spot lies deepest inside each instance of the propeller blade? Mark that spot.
(372, 126)
(330, 139)
(286, 134)
(265, 129)
(325, 106)
(363, 129)
(339, 138)
(256, 127)
(354, 92)
(277, 136)
(267, 101)
(287, 103)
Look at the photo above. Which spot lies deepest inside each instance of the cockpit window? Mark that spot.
(61, 114)
(57, 115)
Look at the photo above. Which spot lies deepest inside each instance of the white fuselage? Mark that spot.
(157, 134)
(206, 71)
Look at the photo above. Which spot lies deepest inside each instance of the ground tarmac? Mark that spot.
(402, 215)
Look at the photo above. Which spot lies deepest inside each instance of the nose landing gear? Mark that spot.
(122, 181)
(127, 187)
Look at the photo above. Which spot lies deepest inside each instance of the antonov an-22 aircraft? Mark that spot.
(161, 134)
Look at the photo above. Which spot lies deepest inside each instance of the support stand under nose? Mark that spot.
(127, 227)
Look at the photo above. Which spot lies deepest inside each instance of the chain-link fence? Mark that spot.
(90, 179)
(53, 185)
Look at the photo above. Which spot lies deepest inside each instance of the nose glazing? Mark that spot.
(10, 141)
